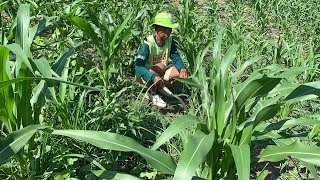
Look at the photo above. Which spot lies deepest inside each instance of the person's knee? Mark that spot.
(158, 69)
(171, 73)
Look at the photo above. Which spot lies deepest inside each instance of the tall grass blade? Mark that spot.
(111, 141)
(176, 126)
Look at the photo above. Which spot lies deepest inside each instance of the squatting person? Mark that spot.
(158, 59)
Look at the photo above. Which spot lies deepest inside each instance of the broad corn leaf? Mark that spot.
(312, 170)
(6, 94)
(85, 26)
(266, 113)
(45, 70)
(228, 59)
(244, 66)
(11, 144)
(256, 88)
(59, 66)
(299, 150)
(315, 131)
(190, 82)
(193, 155)
(285, 124)
(22, 34)
(119, 30)
(304, 92)
(111, 141)
(176, 126)
(241, 155)
(21, 57)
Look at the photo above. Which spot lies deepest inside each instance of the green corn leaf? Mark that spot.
(290, 72)
(238, 89)
(299, 150)
(6, 94)
(45, 70)
(193, 155)
(315, 131)
(221, 104)
(282, 89)
(22, 34)
(85, 26)
(190, 82)
(4, 84)
(205, 95)
(59, 66)
(216, 54)
(176, 126)
(43, 67)
(228, 59)
(255, 88)
(241, 155)
(285, 124)
(266, 113)
(119, 30)
(244, 66)
(112, 175)
(200, 56)
(304, 92)
(21, 56)
(64, 76)
(258, 107)
(11, 144)
(111, 141)
(312, 169)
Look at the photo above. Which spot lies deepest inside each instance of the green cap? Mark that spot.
(165, 20)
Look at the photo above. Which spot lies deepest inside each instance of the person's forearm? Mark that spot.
(145, 73)
(175, 57)
(177, 61)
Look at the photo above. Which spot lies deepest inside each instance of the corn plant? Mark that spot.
(21, 103)
(108, 37)
(234, 117)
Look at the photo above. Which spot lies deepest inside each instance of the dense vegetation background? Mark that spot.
(69, 107)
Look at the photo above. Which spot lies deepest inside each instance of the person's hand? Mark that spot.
(183, 73)
(158, 82)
